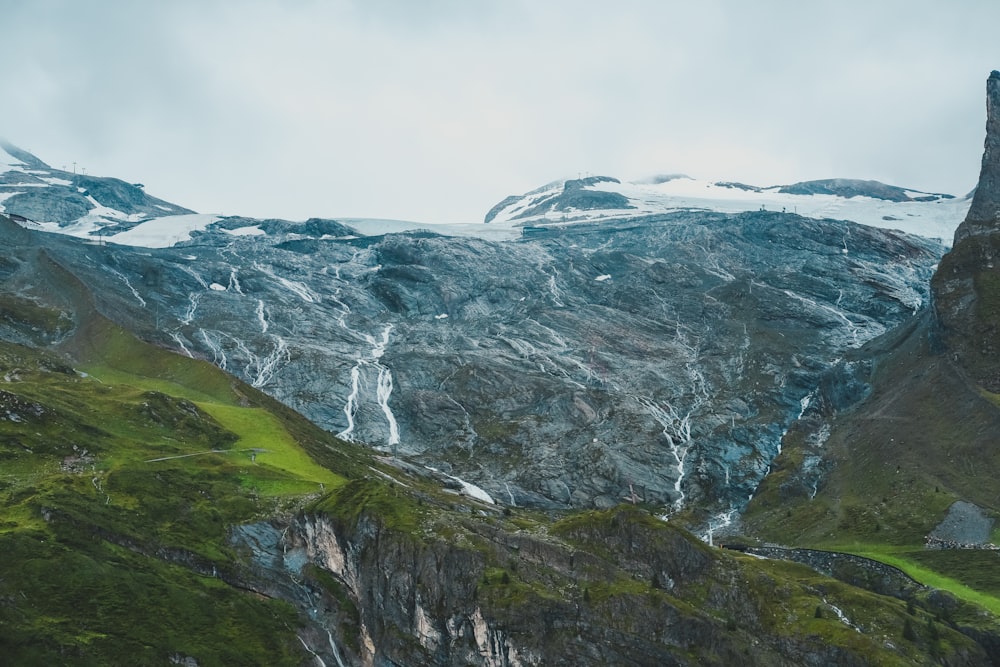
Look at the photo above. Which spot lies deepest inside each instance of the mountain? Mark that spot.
(602, 197)
(658, 354)
(667, 353)
(758, 375)
(157, 511)
(57, 200)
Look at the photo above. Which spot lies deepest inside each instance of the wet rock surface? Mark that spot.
(662, 356)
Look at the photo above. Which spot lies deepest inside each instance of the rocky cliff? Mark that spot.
(984, 214)
(966, 287)
(395, 583)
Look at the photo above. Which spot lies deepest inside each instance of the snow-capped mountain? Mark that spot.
(931, 215)
(55, 200)
(37, 195)
(765, 363)
(699, 335)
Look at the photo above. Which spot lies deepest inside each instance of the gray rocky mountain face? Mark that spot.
(661, 356)
(40, 193)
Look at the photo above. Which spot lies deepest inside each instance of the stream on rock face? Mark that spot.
(383, 389)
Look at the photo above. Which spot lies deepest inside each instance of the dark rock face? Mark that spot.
(62, 207)
(984, 214)
(610, 588)
(847, 187)
(966, 286)
(507, 201)
(739, 186)
(126, 197)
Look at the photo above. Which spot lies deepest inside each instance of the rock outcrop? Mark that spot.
(600, 588)
(984, 214)
(849, 187)
(966, 286)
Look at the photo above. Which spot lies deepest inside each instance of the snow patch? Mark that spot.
(469, 488)
(164, 232)
(52, 180)
(253, 230)
(935, 219)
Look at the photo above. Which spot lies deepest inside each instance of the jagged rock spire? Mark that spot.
(984, 214)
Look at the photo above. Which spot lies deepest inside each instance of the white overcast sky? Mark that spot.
(434, 110)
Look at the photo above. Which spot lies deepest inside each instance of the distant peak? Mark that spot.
(577, 183)
(23, 156)
(852, 187)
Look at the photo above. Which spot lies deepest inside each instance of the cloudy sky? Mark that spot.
(434, 110)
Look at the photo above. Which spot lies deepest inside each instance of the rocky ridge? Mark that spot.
(600, 197)
(984, 213)
(34, 193)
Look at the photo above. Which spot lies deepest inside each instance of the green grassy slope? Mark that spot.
(117, 489)
(925, 438)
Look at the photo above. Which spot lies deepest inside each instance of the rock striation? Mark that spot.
(663, 356)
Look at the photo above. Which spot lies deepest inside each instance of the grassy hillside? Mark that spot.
(925, 438)
(120, 479)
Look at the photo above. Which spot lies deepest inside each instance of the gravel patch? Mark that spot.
(965, 523)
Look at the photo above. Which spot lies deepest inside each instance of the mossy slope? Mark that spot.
(118, 487)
